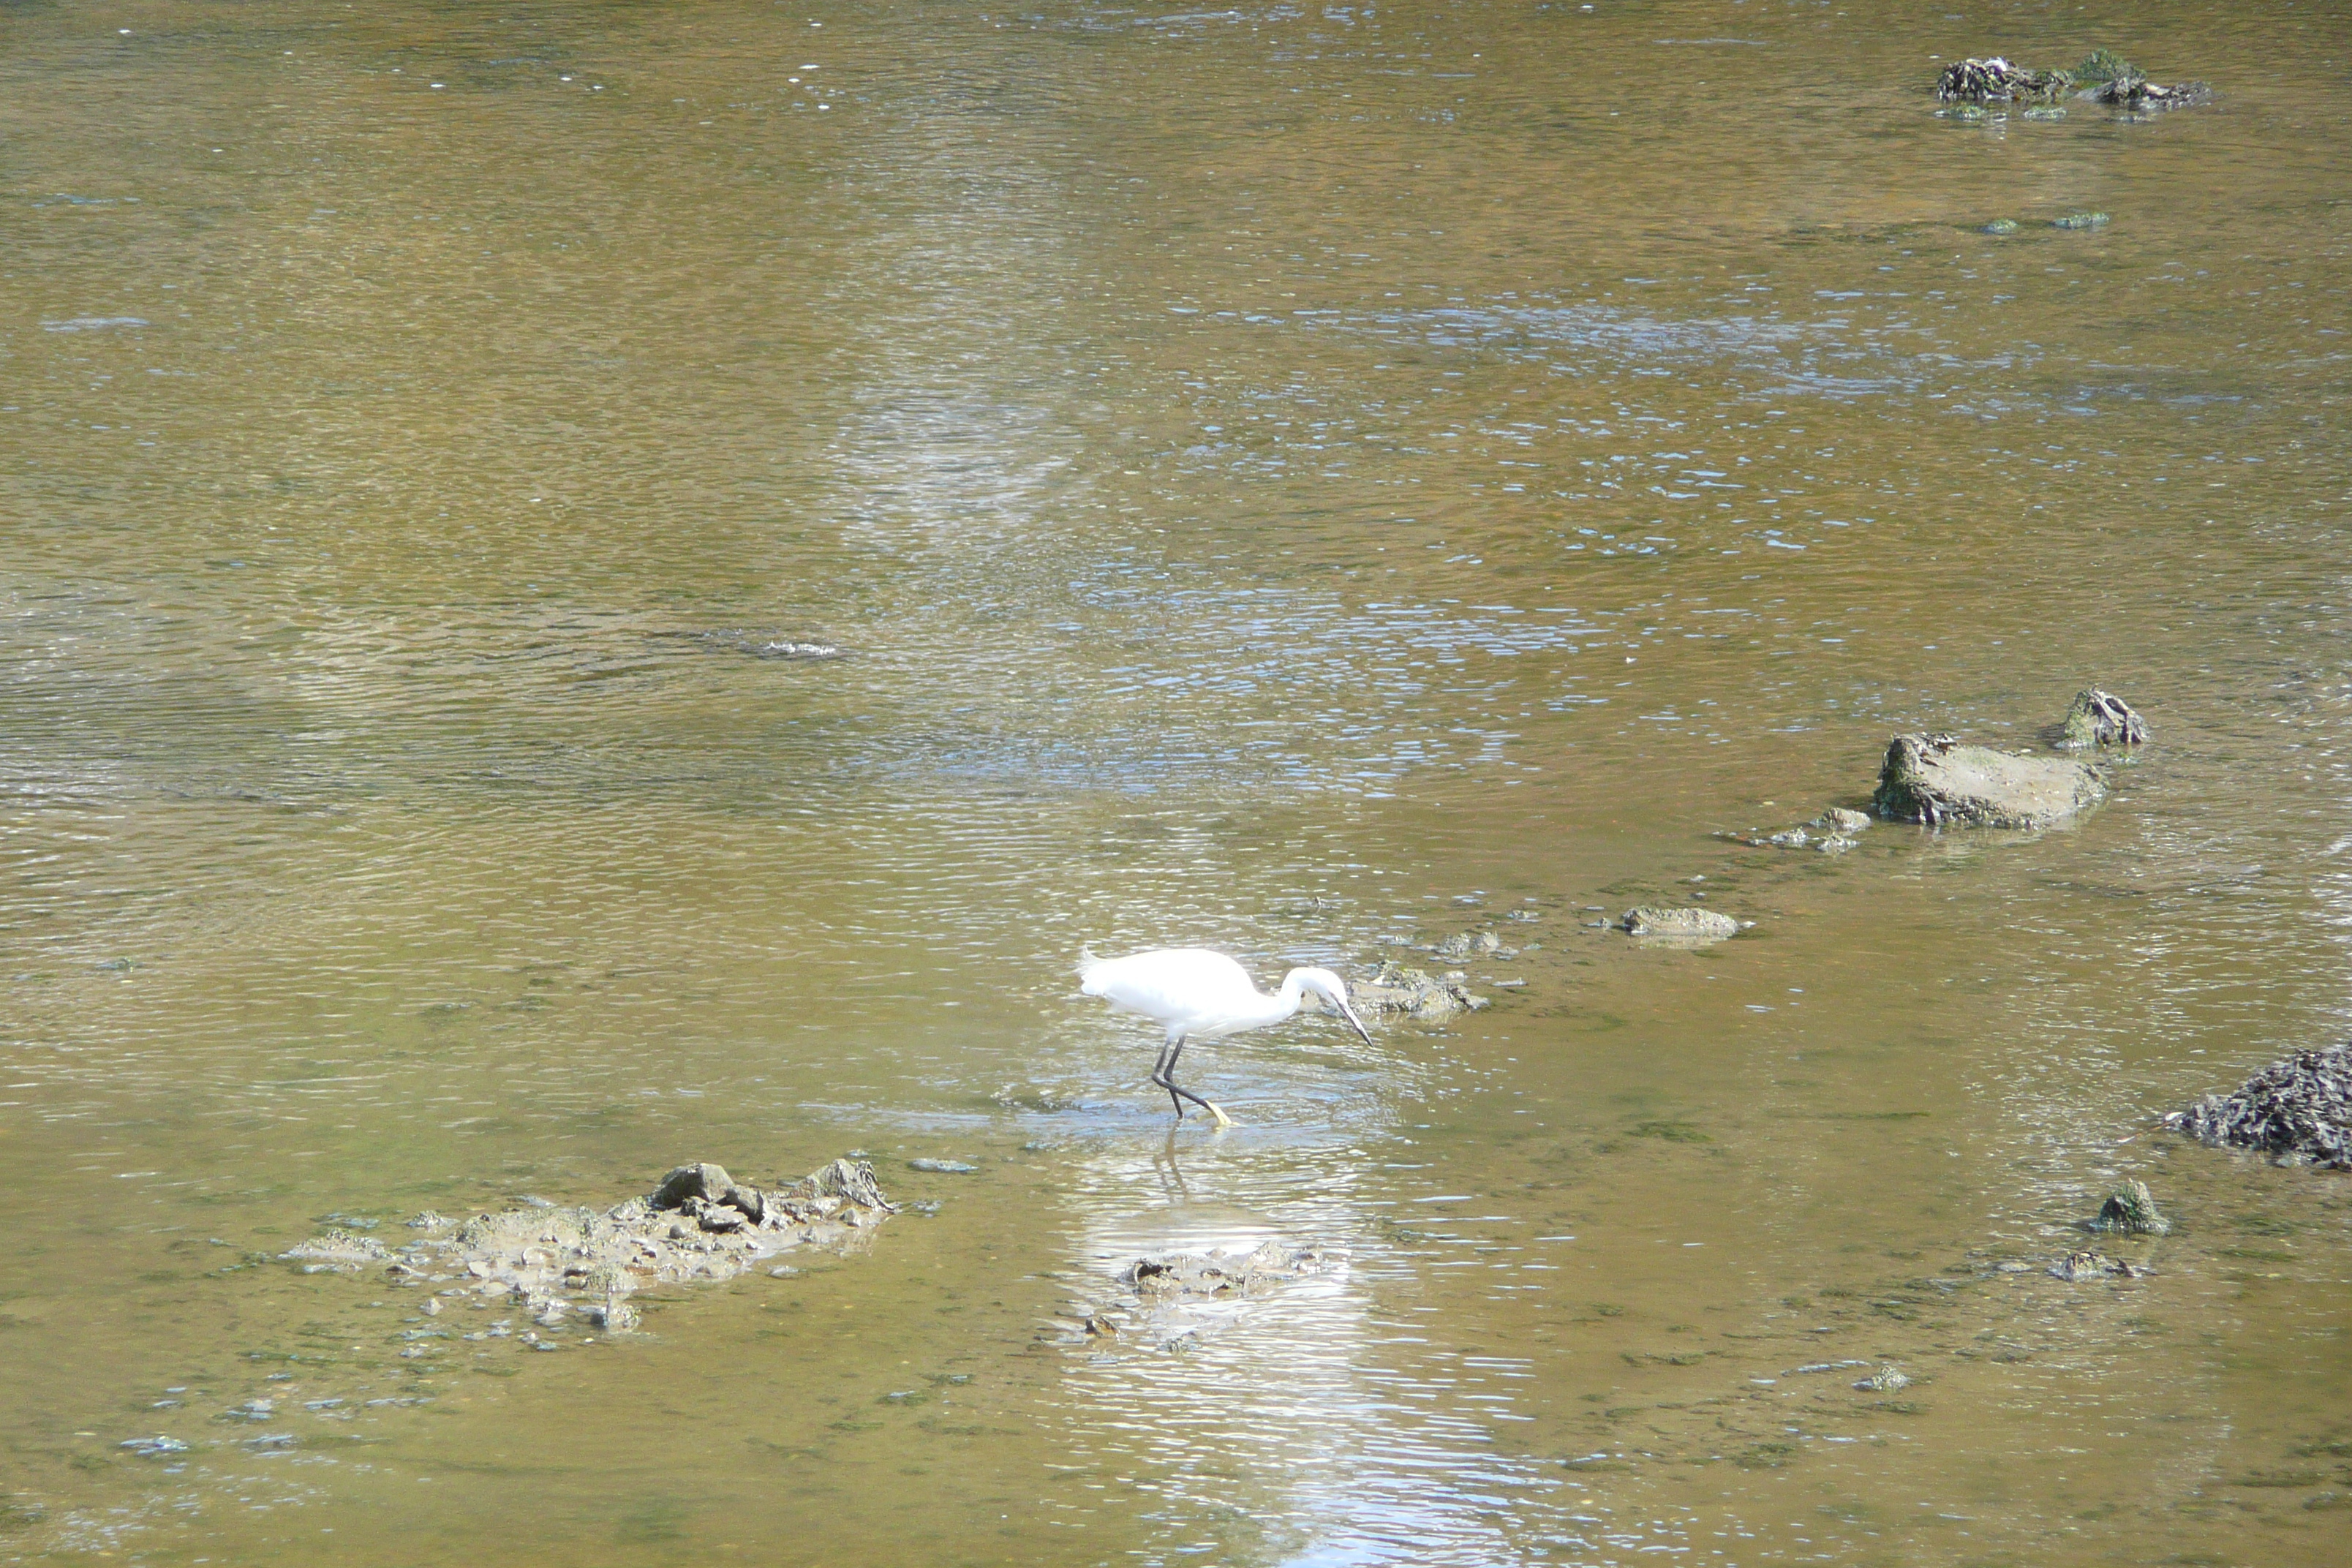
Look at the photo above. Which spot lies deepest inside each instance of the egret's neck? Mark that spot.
(1294, 987)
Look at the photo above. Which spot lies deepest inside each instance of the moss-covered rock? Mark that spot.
(2131, 1209)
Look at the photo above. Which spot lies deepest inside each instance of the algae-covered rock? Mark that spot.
(2104, 65)
(2001, 225)
(2298, 1112)
(2080, 220)
(1934, 779)
(2079, 1266)
(2102, 718)
(1679, 924)
(2131, 1209)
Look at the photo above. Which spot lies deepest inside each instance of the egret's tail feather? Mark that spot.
(1086, 960)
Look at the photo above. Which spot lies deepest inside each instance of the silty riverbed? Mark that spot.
(595, 587)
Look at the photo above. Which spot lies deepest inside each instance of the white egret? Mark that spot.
(1201, 995)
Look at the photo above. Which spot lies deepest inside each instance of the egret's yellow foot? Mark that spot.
(1223, 1120)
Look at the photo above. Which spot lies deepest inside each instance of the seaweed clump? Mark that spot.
(1996, 80)
(2106, 76)
(2298, 1112)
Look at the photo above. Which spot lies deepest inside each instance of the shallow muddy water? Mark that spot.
(588, 586)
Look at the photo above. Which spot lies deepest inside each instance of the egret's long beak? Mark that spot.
(1355, 1023)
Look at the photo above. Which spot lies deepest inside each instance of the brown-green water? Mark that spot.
(1282, 479)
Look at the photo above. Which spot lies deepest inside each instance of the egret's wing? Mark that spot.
(1173, 982)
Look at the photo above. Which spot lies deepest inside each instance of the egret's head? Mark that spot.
(1334, 990)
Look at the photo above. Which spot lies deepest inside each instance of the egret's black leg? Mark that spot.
(1160, 1070)
(1167, 1081)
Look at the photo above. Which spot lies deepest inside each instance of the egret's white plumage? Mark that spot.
(1202, 994)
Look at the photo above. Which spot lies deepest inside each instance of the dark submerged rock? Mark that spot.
(2101, 719)
(2298, 1112)
(155, 1447)
(759, 644)
(1158, 1301)
(1935, 780)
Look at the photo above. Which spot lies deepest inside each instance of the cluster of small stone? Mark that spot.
(700, 1224)
(1400, 991)
(1831, 833)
